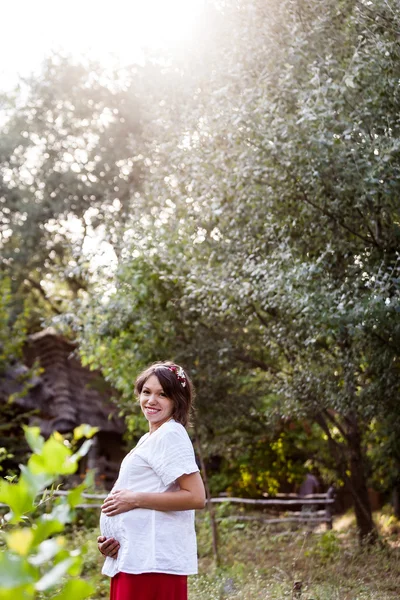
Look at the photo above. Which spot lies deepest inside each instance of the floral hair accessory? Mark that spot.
(180, 374)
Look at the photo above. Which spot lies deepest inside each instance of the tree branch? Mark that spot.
(335, 218)
(259, 364)
(335, 423)
(37, 286)
(266, 324)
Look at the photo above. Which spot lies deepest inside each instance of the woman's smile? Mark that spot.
(155, 405)
(151, 410)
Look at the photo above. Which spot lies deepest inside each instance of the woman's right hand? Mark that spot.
(108, 546)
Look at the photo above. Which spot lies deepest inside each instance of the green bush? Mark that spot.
(326, 548)
(36, 562)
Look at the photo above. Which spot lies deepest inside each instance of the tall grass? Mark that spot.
(271, 563)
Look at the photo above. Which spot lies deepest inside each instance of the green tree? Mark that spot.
(71, 163)
(280, 213)
(250, 194)
(14, 378)
(12, 332)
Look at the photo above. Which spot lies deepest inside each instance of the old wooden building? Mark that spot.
(64, 395)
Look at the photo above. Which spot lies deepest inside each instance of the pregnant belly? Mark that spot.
(135, 524)
(111, 526)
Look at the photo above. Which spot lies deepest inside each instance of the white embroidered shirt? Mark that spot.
(153, 541)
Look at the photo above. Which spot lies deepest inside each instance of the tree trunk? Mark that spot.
(349, 458)
(362, 507)
(396, 498)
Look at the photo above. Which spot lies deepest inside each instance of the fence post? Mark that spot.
(330, 495)
(213, 520)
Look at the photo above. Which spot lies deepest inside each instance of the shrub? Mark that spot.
(36, 562)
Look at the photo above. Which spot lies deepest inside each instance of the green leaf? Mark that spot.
(78, 589)
(84, 430)
(61, 511)
(45, 527)
(35, 481)
(18, 496)
(20, 540)
(83, 450)
(22, 592)
(15, 571)
(53, 576)
(75, 496)
(34, 439)
(47, 550)
(55, 459)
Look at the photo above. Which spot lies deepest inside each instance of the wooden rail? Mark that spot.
(282, 501)
(290, 501)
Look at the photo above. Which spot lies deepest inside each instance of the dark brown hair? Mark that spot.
(181, 396)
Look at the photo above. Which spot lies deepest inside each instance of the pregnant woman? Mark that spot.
(147, 520)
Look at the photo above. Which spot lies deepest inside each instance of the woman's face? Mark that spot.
(156, 407)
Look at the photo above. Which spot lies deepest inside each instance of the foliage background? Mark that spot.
(236, 210)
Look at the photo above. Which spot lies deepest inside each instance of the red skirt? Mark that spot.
(148, 586)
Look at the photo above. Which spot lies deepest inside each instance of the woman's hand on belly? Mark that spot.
(118, 502)
(190, 496)
(108, 546)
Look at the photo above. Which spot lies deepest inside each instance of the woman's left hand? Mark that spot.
(118, 502)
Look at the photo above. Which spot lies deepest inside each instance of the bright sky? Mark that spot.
(32, 28)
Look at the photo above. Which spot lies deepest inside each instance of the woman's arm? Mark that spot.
(191, 495)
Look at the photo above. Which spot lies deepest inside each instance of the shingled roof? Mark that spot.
(66, 394)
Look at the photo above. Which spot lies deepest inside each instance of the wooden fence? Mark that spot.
(309, 511)
(309, 508)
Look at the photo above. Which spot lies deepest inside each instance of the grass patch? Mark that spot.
(263, 562)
